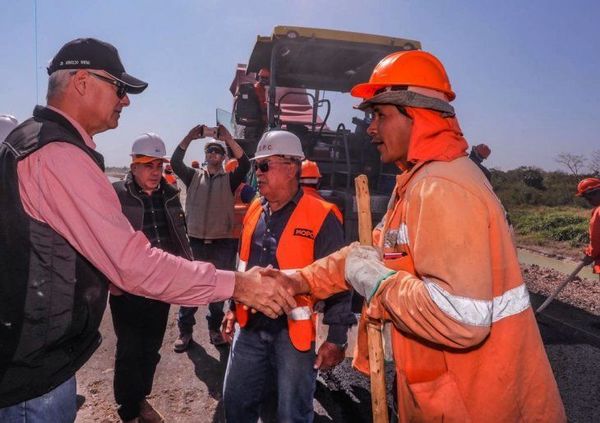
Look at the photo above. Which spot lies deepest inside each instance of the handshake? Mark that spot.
(272, 292)
(268, 290)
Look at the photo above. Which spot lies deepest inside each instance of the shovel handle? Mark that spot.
(564, 283)
(374, 329)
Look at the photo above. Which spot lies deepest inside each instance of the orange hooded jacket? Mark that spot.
(465, 341)
(593, 248)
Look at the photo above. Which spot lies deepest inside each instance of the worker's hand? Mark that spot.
(364, 270)
(194, 134)
(228, 326)
(294, 283)
(329, 356)
(587, 260)
(262, 293)
(224, 135)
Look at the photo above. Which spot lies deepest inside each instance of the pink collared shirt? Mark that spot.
(61, 186)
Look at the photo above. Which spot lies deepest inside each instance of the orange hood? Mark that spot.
(434, 137)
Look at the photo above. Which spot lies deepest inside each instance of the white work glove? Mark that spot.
(365, 271)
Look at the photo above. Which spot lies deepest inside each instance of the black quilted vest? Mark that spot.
(51, 298)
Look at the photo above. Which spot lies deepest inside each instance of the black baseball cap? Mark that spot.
(90, 53)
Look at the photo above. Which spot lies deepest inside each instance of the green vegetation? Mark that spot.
(540, 225)
(542, 206)
(530, 186)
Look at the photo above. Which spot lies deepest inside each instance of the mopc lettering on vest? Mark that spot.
(306, 233)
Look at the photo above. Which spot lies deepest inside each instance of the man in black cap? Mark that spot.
(63, 237)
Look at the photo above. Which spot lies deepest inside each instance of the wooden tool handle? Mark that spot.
(363, 205)
(564, 283)
(374, 330)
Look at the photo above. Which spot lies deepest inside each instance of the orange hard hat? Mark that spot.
(231, 165)
(483, 151)
(309, 170)
(587, 185)
(264, 73)
(406, 68)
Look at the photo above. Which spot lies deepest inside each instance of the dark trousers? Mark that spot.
(140, 325)
(221, 253)
(259, 361)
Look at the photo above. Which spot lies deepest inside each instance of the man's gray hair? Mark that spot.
(57, 82)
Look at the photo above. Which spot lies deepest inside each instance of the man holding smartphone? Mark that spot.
(209, 210)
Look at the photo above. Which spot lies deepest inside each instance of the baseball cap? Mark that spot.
(147, 148)
(215, 143)
(90, 53)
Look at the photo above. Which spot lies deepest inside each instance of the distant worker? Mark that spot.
(209, 210)
(286, 229)
(589, 188)
(195, 164)
(478, 154)
(7, 124)
(260, 87)
(152, 206)
(242, 197)
(310, 178)
(169, 176)
(443, 269)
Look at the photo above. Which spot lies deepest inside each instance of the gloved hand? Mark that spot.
(364, 270)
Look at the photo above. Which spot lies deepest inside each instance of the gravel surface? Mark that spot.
(577, 371)
(580, 292)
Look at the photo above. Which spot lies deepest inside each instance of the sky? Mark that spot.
(526, 73)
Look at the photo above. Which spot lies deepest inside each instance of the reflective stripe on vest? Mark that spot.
(295, 250)
(475, 312)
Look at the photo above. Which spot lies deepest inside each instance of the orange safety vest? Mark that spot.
(295, 250)
(313, 192)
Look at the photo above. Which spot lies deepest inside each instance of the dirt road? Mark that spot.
(188, 386)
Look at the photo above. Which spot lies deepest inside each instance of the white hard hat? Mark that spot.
(279, 143)
(149, 145)
(7, 124)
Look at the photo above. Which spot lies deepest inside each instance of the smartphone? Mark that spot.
(207, 131)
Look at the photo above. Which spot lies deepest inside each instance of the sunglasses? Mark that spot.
(121, 88)
(266, 165)
(215, 150)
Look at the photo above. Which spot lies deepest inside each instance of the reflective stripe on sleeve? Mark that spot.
(479, 312)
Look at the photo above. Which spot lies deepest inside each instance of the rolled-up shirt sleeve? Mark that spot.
(61, 186)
